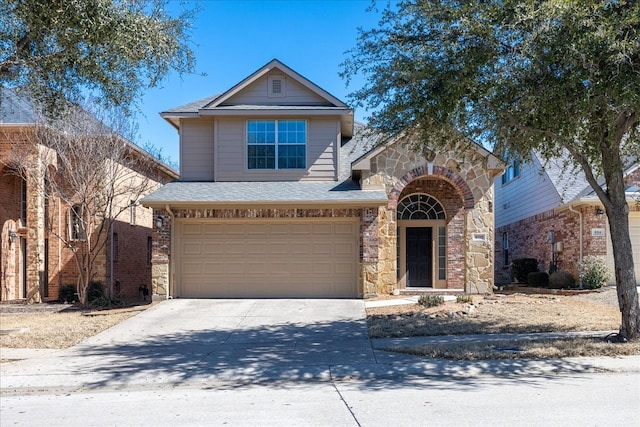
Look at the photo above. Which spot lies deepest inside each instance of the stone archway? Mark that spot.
(432, 171)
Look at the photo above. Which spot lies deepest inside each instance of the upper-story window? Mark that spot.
(76, 225)
(276, 144)
(23, 202)
(512, 172)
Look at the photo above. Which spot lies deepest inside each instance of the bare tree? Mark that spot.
(79, 165)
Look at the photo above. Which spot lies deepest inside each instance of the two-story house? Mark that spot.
(281, 194)
(34, 262)
(548, 211)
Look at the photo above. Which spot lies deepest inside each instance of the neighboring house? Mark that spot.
(548, 212)
(282, 195)
(33, 262)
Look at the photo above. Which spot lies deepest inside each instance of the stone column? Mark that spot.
(387, 253)
(35, 234)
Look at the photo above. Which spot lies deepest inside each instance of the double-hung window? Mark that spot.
(276, 144)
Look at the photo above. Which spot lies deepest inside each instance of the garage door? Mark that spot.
(634, 232)
(254, 258)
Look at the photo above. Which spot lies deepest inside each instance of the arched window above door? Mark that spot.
(420, 206)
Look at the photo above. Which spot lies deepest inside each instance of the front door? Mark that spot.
(419, 256)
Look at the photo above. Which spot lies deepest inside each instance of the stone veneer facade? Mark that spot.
(464, 187)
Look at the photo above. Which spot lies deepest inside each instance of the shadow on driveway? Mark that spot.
(227, 343)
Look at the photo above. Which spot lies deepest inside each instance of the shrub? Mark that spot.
(521, 267)
(67, 293)
(561, 279)
(95, 292)
(430, 300)
(538, 278)
(594, 272)
(464, 299)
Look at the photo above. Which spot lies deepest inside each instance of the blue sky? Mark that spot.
(233, 38)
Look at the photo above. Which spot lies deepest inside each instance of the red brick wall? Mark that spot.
(529, 238)
(131, 267)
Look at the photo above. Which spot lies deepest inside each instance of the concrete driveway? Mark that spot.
(183, 341)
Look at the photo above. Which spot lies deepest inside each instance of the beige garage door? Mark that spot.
(634, 232)
(254, 258)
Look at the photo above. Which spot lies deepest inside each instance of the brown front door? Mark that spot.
(419, 256)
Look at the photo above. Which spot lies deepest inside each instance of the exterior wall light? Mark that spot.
(13, 236)
(159, 222)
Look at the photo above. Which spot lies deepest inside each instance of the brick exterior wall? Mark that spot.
(47, 270)
(529, 238)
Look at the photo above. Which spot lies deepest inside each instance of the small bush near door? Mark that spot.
(521, 267)
(430, 300)
(538, 278)
(562, 280)
(594, 272)
(67, 293)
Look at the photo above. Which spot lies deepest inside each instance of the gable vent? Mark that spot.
(276, 86)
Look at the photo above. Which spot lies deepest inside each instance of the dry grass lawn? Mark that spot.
(516, 313)
(510, 313)
(33, 328)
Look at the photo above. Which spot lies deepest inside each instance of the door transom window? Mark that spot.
(420, 206)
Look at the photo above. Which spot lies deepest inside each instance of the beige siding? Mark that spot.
(197, 150)
(322, 137)
(257, 94)
(529, 194)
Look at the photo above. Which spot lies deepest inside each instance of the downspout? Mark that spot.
(171, 262)
(571, 209)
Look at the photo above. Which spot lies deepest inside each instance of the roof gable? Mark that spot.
(275, 67)
(364, 161)
(310, 100)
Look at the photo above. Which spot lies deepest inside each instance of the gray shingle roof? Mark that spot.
(192, 107)
(264, 192)
(569, 180)
(14, 108)
(361, 142)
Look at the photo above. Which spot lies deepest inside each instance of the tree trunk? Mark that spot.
(618, 216)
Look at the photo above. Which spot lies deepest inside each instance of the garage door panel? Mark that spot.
(344, 268)
(212, 229)
(344, 228)
(301, 228)
(191, 229)
(344, 248)
(258, 258)
(192, 249)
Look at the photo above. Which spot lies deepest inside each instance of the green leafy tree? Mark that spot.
(558, 77)
(60, 49)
